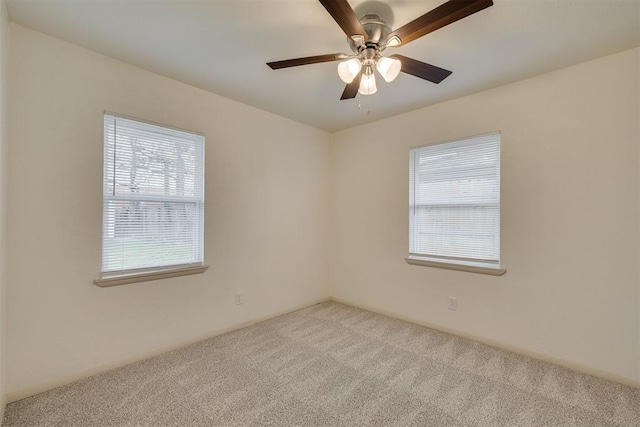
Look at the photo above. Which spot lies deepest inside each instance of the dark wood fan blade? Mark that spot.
(422, 69)
(442, 15)
(345, 17)
(351, 90)
(306, 61)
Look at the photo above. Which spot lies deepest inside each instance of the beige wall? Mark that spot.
(266, 222)
(569, 217)
(3, 143)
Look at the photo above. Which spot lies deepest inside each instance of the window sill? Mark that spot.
(147, 276)
(459, 267)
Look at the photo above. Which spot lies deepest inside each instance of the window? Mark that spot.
(153, 201)
(454, 212)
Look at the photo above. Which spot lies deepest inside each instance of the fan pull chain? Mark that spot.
(368, 112)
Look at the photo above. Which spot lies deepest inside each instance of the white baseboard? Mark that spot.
(58, 382)
(30, 391)
(505, 346)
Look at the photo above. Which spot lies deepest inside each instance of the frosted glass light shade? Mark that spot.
(389, 68)
(348, 70)
(368, 84)
(394, 41)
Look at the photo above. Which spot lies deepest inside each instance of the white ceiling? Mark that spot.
(222, 46)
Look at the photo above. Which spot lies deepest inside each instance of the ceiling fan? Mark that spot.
(369, 36)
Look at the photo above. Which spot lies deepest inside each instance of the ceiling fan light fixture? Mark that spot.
(368, 82)
(389, 68)
(368, 36)
(348, 70)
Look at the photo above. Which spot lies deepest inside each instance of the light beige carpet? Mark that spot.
(334, 365)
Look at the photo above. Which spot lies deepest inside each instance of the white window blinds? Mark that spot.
(153, 197)
(454, 213)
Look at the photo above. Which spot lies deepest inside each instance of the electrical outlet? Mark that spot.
(239, 298)
(453, 303)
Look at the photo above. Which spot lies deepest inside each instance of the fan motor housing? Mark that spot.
(377, 33)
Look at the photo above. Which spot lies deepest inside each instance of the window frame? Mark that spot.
(489, 267)
(134, 275)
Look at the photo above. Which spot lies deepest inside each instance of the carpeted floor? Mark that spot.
(334, 365)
